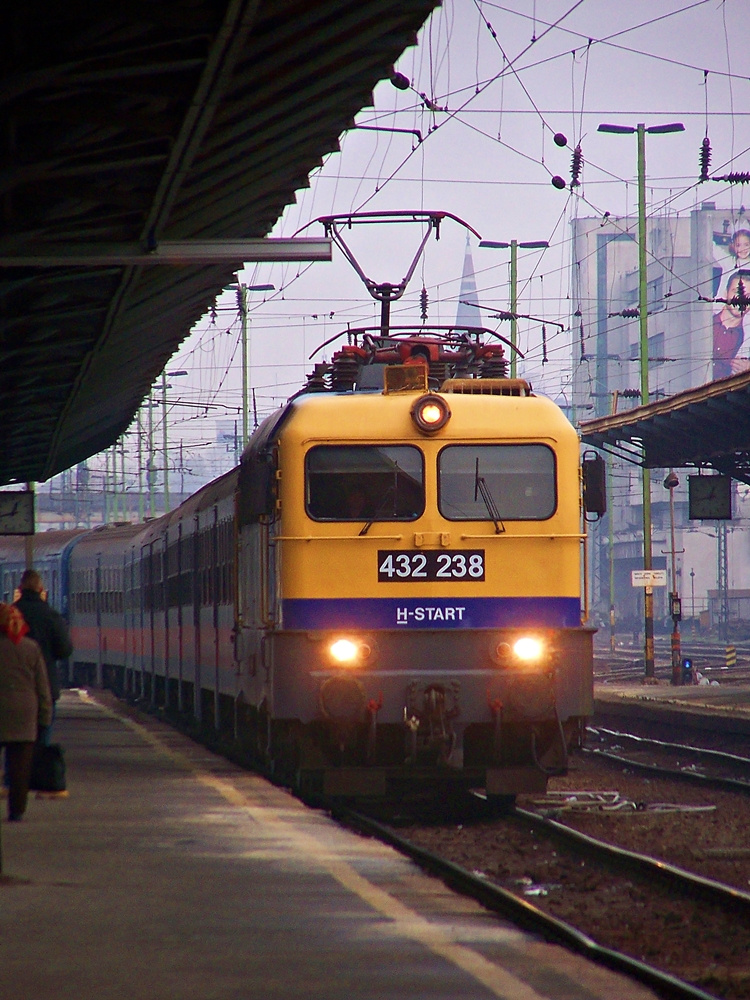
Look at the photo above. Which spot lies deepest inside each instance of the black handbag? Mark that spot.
(48, 769)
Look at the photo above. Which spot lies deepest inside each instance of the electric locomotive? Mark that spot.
(409, 589)
(386, 595)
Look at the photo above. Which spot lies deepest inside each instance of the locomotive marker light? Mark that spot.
(430, 413)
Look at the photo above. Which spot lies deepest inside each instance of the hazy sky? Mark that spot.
(491, 84)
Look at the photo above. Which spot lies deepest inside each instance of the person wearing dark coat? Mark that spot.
(48, 628)
(25, 704)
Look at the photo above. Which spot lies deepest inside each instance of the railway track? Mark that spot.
(710, 658)
(644, 874)
(670, 759)
(532, 906)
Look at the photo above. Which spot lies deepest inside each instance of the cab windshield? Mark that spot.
(513, 482)
(364, 483)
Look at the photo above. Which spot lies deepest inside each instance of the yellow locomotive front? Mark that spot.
(424, 588)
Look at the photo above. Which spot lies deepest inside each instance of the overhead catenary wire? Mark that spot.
(442, 291)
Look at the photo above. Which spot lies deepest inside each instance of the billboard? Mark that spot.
(730, 285)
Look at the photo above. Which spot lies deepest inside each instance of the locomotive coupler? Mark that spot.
(429, 723)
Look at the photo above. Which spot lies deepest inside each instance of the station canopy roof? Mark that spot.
(705, 427)
(132, 125)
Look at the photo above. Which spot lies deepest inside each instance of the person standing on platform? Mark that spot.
(48, 628)
(25, 704)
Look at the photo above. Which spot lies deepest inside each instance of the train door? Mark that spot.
(158, 629)
(252, 594)
(166, 645)
(127, 616)
(143, 598)
(98, 618)
(196, 592)
(179, 599)
(149, 664)
(214, 588)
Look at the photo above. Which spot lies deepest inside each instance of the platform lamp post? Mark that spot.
(640, 131)
(514, 245)
(242, 293)
(164, 387)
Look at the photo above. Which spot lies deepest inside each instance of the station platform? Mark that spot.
(721, 707)
(169, 873)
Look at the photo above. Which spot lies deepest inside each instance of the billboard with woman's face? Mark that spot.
(731, 290)
(729, 327)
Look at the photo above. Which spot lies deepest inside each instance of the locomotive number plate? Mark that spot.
(395, 565)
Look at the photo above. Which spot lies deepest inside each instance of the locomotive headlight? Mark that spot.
(529, 649)
(529, 652)
(430, 413)
(343, 651)
(349, 652)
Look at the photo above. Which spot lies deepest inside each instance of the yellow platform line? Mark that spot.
(408, 923)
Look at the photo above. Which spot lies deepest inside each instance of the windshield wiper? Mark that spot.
(379, 510)
(482, 489)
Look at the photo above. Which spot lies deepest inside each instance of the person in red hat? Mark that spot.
(25, 704)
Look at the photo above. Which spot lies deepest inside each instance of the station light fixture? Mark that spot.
(640, 131)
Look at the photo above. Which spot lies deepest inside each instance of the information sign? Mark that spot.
(648, 577)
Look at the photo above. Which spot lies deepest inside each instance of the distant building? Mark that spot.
(691, 261)
(468, 312)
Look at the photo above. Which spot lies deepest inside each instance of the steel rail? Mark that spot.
(643, 865)
(730, 758)
(522, 913)
(734, 784)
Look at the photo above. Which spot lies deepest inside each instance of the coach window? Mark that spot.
(513, 482)
(363, 482)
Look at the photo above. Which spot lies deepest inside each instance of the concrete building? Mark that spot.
(691, 261)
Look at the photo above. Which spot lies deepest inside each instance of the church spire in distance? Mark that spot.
(468, 315)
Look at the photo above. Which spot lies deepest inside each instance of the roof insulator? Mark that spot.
(576, 163)
(743, 178)
(705, 159)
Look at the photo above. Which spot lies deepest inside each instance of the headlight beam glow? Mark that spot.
(528, 649)
(344, 651)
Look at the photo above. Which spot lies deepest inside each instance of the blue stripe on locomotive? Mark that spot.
(437, 612)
